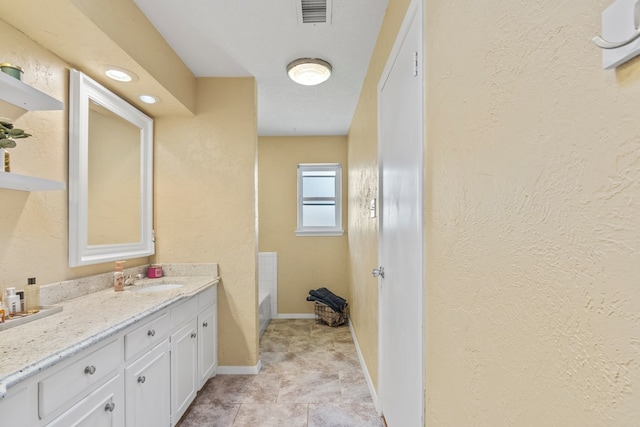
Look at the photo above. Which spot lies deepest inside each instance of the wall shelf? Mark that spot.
(13, 181)
(22, 95)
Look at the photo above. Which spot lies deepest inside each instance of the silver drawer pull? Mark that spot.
(142, 379)
(205, 324)
(109, 407)
(193, 335)
(90, 370)
(151, 332)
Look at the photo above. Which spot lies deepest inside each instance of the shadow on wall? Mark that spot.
(232, 334)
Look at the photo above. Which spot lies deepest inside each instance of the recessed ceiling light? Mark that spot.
(119, 74)
(148, 99)
(309, 71)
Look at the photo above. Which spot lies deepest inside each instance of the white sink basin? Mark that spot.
(156, 288)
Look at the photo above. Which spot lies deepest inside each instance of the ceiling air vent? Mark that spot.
(315, 11)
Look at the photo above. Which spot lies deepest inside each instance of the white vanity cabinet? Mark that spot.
(184, 363)
(147, 389)
(207, 335)
(193, 349)
(147, 381)
(144, 375)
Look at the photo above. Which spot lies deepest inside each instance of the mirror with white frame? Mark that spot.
(110, 176)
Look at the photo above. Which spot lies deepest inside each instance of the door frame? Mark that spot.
(415, 10)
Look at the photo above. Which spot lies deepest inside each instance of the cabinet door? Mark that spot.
(14, 409)
(102, 408)
(207, 344)
(184, 366)
(147, 389)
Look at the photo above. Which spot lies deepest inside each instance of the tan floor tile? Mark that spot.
(210, 415)
(309, 388)
(343, 415)
(244, 389)
(310, 376)
(261, 415)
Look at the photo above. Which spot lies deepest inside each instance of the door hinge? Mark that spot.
(415, 64)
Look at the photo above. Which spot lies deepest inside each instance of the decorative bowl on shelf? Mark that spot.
(14, 71)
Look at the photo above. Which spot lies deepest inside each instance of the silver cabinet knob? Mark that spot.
(378, 272)
(90, 370)
(109, 407)
(142, 379)
(151, 332)
(193, 335)
(205, 324)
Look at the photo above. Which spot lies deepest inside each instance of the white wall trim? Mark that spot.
(367, 376)
(240, 370)
(296, 316)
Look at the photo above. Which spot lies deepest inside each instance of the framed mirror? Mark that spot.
(110, 176)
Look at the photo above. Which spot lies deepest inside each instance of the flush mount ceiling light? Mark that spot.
(149, 99)
(309, 71)
(120, 74)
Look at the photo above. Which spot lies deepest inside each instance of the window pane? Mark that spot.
(319, 215)
(318, 186)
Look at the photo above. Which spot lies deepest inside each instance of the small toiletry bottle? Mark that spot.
(22, 307)
(12, 301)
(118, 277)
(32, 293)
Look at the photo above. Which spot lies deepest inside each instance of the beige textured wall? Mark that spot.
(33, 229)
(305, 262)
(532, 297)
(363, 186)
(205, 203)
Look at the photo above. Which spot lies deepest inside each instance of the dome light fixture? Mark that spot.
(309, 71)
(148, 99)
(120, 74)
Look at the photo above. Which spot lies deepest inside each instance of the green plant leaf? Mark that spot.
(7, 143)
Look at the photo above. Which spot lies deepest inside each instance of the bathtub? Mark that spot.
(264, 311)
(267, 288)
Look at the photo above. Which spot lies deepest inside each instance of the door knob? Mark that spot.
(378, 272)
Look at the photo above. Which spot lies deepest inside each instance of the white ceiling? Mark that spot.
(240, 38)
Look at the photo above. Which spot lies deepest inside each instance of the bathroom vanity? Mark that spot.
(134, 358)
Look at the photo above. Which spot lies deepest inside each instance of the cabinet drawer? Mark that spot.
(69, 382)
(206, 298)
(184, 312)
(146, 336)
(103, 407)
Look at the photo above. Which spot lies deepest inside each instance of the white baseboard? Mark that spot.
(372, 390)
(239, 370)
(296, 316)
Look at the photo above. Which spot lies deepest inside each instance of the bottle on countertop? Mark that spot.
(32, 293)
(118, 277)
(12, 301)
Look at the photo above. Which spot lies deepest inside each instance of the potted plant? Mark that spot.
(8, 135)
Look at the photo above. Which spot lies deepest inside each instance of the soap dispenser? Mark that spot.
(118, 277)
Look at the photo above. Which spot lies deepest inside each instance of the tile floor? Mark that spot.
(310, 377)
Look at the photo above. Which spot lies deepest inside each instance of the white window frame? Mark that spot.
(321, 231)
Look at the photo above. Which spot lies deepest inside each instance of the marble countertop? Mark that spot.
(28, 349)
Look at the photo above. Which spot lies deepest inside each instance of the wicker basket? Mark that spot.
(327, 316)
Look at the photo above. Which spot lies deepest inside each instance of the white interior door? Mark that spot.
(400, 154)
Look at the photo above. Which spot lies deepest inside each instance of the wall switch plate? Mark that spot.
(372, 208)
